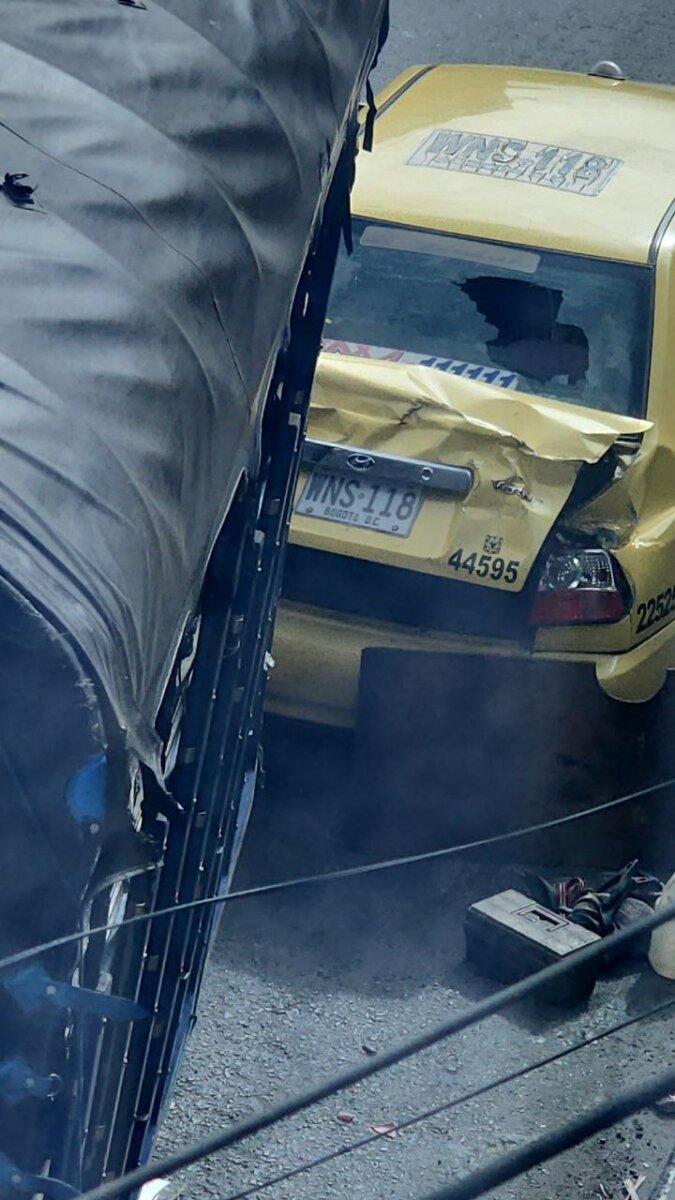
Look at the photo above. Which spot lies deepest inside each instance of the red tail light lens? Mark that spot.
(578, 586)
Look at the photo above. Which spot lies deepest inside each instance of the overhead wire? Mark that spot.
(490, 1006)
(364, 869)
(465, 1098)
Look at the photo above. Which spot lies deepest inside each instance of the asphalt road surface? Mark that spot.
(307, 983)
(299, 988)
(569, 35)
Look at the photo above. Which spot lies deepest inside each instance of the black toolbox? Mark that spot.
(509, 936)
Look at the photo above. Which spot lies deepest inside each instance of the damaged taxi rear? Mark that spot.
(489, 461)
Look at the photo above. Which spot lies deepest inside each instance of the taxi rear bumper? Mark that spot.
(318, 654)
(459, 737)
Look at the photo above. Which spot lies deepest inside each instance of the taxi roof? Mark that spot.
(541, 158)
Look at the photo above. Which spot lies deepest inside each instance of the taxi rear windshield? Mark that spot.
(559, 325)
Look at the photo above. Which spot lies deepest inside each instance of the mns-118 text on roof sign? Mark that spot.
(549, 166)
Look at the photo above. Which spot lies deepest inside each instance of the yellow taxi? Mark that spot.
(489, 459)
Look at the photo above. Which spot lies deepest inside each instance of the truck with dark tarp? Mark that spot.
(174, 182)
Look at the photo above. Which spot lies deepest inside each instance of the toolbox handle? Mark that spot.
(542, 916)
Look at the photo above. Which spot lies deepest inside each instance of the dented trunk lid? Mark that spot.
(524, 453)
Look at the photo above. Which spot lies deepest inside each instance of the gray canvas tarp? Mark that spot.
(180, 150)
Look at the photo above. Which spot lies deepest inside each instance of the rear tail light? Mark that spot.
(579, 586)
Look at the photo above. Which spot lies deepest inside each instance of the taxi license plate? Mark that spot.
(367, 505)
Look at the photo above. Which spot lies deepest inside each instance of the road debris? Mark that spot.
(632, 1187)
(345, 1118)
(388, 1129)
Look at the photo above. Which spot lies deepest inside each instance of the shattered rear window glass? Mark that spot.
(558, 325)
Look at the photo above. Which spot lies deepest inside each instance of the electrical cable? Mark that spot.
(504, 998)
(269, 889)
(465, 1098)
(565, 1137)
